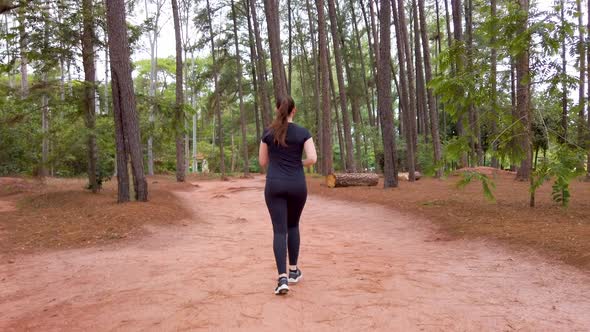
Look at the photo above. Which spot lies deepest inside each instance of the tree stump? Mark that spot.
(351, 179)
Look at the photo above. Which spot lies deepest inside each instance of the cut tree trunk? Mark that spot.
(351, 179)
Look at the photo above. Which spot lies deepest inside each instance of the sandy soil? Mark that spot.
(365, 267)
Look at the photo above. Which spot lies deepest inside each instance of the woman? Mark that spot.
(282, 148)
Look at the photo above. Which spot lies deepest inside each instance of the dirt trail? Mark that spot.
(366, 268)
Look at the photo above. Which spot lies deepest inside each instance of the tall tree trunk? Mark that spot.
(62, 75)
(564, 115)
(356, 115)
(493, 83)
(515, 116)
(179, 111)
(587, 138)
(421, 99)
(372, 62)
(384, 96)
(359, 46)
(448, 25)
(261, 69)
(254, 71)
(279, 80)
(24, 77)
(45, 116)
(8, 51)
(217, 96)
(350, 165)
(89, 90)
(523, 97)
(195, 116)
(240, 94)
(410, 110)
(127, 132)
(43, 172)
(404, 96)
(457, 9)
(582, 63)
(325, 79)
(303, 68)
(339, 136)
(373, 55)
(473, 115)
(434, 131)
(106, 75)
(185, 47)
(316, 87)
(153, 40)
(376, 50)
(289, 80)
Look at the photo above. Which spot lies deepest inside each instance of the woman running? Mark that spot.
(285, 193)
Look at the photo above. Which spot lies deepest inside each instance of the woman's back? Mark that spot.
(285, 161)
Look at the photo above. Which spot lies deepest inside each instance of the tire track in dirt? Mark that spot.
(365, 267)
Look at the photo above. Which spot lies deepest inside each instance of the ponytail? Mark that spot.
(285, 106)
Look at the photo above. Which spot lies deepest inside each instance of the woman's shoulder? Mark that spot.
(301, 131)
(299, 127)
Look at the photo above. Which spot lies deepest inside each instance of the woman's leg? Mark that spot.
(277, 207)
(295, 205)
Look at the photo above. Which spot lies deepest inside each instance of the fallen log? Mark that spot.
(351, 179)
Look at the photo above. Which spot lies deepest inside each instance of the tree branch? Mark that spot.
(7, 5)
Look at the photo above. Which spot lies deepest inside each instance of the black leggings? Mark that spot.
(285, 201)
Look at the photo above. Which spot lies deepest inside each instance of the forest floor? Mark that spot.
(555, 231)
(198, 256)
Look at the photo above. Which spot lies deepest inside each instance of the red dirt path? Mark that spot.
(365, 267)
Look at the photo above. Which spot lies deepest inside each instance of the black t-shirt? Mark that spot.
(285, 161)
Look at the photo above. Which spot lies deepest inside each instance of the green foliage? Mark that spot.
(455, 147)
(565, 165)
(425, 157)
(486, 183)
(565, 168)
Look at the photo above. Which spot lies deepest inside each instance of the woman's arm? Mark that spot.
(263, 154)
(310, 153)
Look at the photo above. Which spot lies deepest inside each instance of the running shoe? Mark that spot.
(295, 276)
(282, 287)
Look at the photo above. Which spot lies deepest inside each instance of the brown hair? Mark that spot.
(285, 106)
